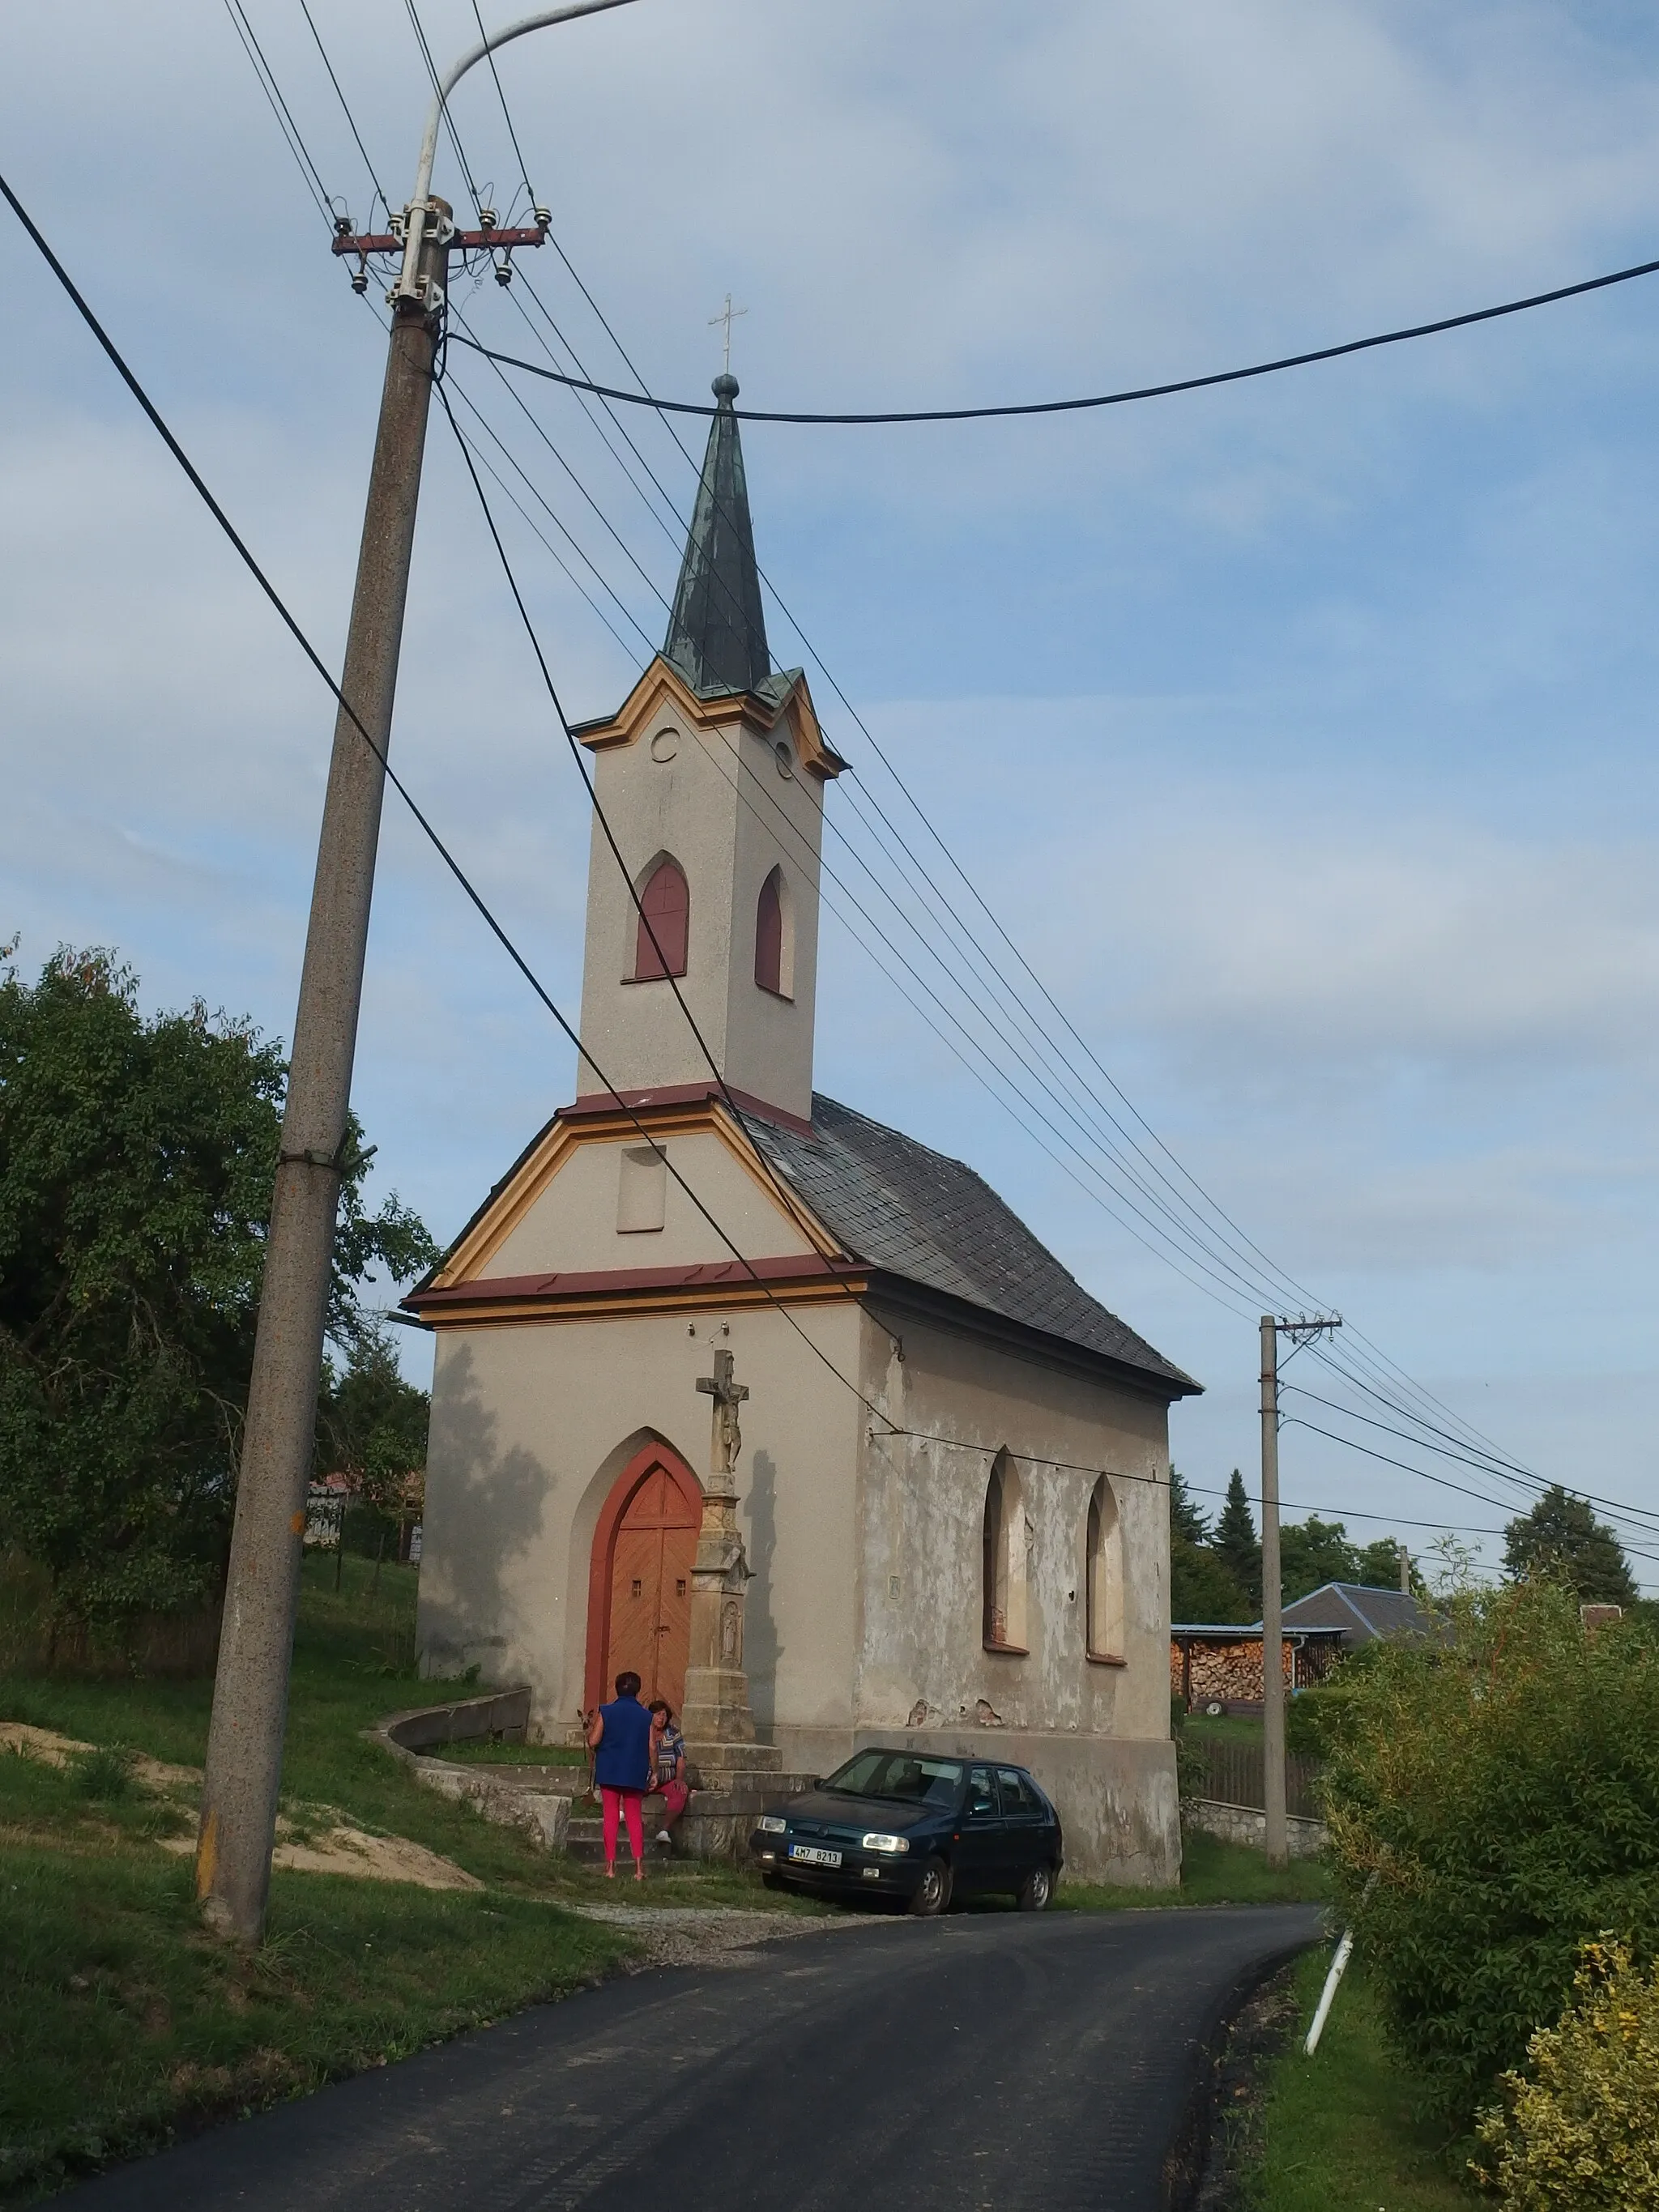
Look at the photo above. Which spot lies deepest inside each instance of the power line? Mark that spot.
(1441, 1481)
(279, 107)
(454, 867)
(351, 120)
(1102, 399)
(1240, 1245)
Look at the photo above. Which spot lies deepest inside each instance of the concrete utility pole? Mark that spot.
(1405, 1571)
(250, 1697)
(1272, 1594)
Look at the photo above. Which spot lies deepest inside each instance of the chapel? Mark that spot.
(945, 1490)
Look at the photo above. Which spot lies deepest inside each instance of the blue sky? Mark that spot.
(1300, 734)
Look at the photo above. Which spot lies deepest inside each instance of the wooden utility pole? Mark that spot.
(1272, 1594)
(250, 1692)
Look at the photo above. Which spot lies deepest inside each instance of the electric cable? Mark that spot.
(279, 107)
(506, 113)
(1104, 398)
(345, 107)
(496, 929)
(1443, 1482)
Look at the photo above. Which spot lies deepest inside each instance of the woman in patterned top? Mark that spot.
(668, 1765)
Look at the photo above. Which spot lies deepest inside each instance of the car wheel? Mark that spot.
(1038, 1888)
(933, 1893)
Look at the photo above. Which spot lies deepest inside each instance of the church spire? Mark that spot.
(717, 632)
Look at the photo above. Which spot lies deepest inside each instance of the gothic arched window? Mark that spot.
(666, 915)
(1104, 1573)
(1007, 1541)
(774, 950)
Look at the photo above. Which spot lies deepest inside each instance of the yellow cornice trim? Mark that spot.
(699, 1117)
(662, 683)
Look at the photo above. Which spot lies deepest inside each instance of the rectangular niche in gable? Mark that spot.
(642, 1188)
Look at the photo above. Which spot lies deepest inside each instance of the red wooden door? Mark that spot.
(649, 1626)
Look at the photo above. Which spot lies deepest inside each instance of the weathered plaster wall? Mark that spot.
(532, 1423)
(1099, 1733)
(715, 800)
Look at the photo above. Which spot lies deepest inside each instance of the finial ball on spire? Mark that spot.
(725, 387)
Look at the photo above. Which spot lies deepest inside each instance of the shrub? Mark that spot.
(1504, 1785)
(1579, 2128)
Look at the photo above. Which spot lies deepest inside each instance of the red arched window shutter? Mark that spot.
(665, 904)
(769, 935)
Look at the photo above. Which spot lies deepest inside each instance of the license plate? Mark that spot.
(809, 1855)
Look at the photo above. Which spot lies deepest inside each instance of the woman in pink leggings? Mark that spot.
(619, 1736)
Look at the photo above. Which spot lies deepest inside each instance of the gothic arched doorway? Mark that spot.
(639, 1588)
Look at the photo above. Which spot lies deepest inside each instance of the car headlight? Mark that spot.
(890, 1846)
(772, 1824)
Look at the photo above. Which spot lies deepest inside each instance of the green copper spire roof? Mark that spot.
(717, 632)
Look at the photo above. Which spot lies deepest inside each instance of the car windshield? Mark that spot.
(896, 1774)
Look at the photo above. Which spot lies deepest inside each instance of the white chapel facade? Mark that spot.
(953, 1473)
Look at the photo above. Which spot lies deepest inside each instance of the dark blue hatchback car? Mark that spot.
(903, 1826)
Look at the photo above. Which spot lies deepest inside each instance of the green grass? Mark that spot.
(120, 2021)
(480, 1752)
(1211, 1873)
(1338, 2132)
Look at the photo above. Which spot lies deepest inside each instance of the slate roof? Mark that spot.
(1364, 1614)
(906, 1211)
(717, 630)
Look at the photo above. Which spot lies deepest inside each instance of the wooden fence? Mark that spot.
(1231, 1775)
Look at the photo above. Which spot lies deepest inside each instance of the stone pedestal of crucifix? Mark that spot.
(717, 1724)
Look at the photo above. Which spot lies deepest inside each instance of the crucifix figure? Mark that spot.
(718, 1724)
(727, 315)
(727, 1441)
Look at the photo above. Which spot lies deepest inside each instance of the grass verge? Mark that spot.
(1338, 2131)
(1211, 1873)
(121, 2022)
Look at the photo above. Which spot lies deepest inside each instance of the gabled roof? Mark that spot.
(914, 1215)
(1365, 1614)
(717, 631)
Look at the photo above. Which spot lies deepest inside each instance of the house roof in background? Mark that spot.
(912, 1213)
(1365, 1613)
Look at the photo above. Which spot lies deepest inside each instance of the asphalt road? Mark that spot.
(999, 2060)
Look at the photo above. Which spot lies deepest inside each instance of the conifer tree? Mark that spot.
(1235, 1542)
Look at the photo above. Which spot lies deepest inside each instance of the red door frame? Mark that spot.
(603, 1556)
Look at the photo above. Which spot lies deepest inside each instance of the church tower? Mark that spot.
(711, 776)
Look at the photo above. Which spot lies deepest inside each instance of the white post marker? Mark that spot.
(1339, 1967)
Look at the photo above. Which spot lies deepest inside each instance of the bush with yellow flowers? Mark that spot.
(1578, 2130)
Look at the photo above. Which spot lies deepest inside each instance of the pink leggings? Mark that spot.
(627, 1803)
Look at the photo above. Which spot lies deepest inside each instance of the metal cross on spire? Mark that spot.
(727, 315)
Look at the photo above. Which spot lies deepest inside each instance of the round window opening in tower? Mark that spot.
(665, 745)
(784, 754)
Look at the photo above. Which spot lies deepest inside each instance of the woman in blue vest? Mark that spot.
(619, 1736)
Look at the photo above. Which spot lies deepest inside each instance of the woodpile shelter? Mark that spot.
(944, 1522)
(1219, 1664)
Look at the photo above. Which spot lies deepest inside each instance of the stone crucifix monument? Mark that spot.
(717, 1724)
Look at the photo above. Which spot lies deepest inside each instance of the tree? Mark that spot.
(1379, 1564)
(371, 1429)
(136, 1161)
(1201, 1588)
(1562, 1539)
(1236, 1543)
(1312, 1553)
(1492, 1796)
(1185, 1518)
